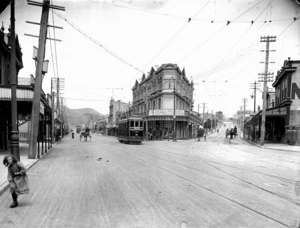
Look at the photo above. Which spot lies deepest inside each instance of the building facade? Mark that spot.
(165, 100)
(115, 110)
(283, 111)
(24, 96)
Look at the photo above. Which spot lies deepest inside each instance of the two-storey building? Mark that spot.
(165, 100)
(287, 102)
(24, 96)
(283, 111)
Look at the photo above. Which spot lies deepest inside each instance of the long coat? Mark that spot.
(18, 183)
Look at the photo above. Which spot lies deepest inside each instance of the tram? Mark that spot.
(131, 130)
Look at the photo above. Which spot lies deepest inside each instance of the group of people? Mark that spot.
(231, 132)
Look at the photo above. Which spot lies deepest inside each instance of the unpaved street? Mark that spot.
(212, 183)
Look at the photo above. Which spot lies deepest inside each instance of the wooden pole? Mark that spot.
(35, 114)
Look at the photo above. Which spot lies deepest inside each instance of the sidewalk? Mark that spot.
(23, 150)
(276, 146)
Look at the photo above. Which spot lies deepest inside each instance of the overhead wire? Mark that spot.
(176, 34)
(53, 60)
(54, 36)
(99, 44)
(173, 37)
(141, 10)
(216, 33)
(289, 25)
(186, 18)
(242, 36)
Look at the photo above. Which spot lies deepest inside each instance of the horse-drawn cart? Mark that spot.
(85, 135)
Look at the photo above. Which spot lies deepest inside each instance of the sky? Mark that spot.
(108, 44)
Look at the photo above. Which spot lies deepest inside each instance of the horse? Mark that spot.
(85, 135)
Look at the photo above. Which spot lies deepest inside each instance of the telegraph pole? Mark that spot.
(254, 86)
(35, 114)
(244, 113)
(265, 78)
(203, 112)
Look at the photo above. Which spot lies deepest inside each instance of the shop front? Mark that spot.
(161, 125)
(276, 120)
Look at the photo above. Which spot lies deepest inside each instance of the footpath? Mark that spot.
(23, 150)
(278, 146)
(274, 146)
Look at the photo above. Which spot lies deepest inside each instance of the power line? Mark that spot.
(287, 27)
(142, 10)
(99, 44)
(236, 43)
(55, 44)
(198, 19)
(173, 37)
(177, 33)
(54, 71)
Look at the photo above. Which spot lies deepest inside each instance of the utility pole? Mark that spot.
(244, 113)
(203, 112)
(13, 82)
(254, 86)
(265, 78)
(35, 114)
(174, 117)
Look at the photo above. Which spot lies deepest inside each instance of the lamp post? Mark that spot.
(174, 114)
(13, 81)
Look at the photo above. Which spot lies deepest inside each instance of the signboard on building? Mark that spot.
(276, 112)
(166, 112)
(241, 112)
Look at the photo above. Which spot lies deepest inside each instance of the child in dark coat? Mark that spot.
(17, 178)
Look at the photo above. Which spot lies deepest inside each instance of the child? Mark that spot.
(17, 178)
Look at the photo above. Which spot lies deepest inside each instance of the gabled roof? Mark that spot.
(135, 85)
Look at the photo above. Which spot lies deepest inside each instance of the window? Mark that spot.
(159, 103)
(136, 123)
(131, 123)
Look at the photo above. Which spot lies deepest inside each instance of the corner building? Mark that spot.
(163, 98)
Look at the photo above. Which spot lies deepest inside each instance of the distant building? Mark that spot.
(115, 110)
(283, 112)
(163, 95)
(101, 125)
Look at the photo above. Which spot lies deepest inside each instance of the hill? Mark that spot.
(82, 116)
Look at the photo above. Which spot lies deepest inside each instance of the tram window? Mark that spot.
(131, 123)
(136, 123)
(141, 123)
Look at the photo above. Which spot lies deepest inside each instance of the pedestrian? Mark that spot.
(17, 178)
(231, 133)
